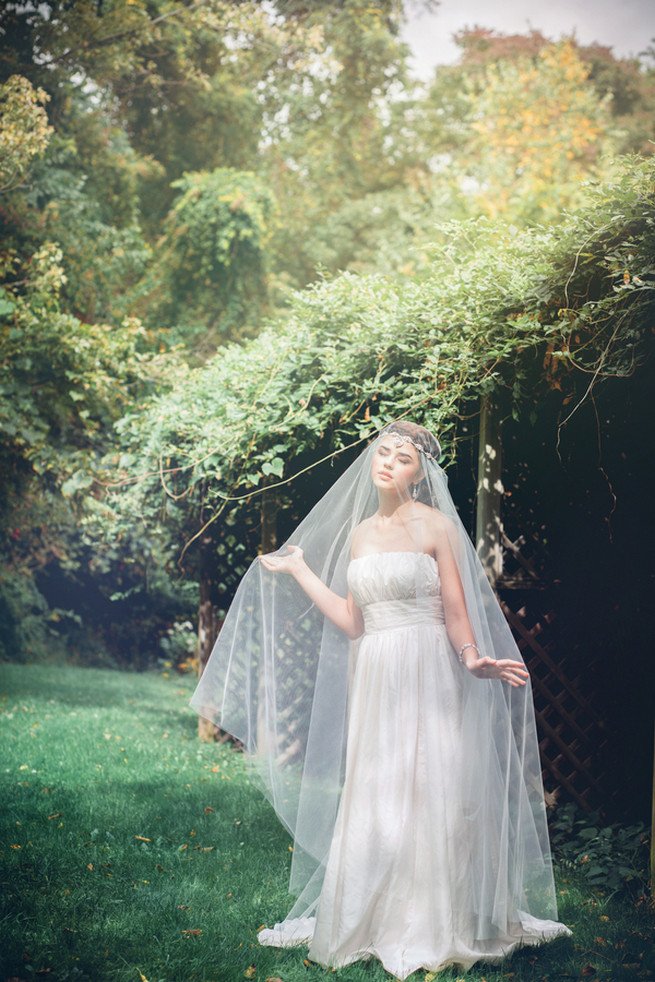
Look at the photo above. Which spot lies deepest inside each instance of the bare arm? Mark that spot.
(458, 624)
(342, 611)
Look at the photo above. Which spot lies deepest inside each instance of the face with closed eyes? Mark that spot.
(395, 468)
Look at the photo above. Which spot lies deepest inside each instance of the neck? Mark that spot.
(388, 504)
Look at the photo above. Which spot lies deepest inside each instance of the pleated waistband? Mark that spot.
(402, 615)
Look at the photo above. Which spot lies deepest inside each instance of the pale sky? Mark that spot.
(625, 26)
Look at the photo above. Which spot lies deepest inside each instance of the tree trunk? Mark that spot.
(490, 490)
(207, 623)
(652, 835)
(269, 521)
(268, 544)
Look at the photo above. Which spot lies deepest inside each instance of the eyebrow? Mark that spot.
(401, 451)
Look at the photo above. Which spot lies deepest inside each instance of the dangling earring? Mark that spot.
(415, 492)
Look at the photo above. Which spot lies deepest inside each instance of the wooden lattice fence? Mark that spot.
(572, 736)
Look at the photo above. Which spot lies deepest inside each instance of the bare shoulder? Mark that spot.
(438, 527)
(432, 518)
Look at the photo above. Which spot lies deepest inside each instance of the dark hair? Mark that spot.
(426, 444)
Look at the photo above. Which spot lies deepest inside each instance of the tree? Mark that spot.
(24, 129)
(336, 152)
(627, 83)
(212, 261)
(533, 130)
(63, 383)
(516, 127)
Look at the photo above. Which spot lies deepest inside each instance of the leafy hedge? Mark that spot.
(499, 310)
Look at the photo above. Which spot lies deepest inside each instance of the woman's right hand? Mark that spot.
(506, 669)
(291, 562)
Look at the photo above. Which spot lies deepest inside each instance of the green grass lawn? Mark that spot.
(131, 851)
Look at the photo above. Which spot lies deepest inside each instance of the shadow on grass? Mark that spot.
(75, 686)
(135, 873)
(150, 855)
(149, 694)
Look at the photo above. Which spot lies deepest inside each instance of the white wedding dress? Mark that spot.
(398, 882)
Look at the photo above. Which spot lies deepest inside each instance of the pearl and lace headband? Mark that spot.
(400, 438)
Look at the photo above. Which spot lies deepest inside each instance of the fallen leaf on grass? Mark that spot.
(273, 978)
(588, 970)
(249, 972)
(142, 838)
(141, 975)
(208, 809)
(192, 932)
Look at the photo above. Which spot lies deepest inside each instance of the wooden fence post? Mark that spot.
(652, 832)
(488, 523)
(268, 544)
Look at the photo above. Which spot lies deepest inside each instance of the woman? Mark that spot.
(421, 838)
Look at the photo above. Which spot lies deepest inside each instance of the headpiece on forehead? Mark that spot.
(278, 680)
(420, 438)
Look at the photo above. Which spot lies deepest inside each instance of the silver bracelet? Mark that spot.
(469, 644)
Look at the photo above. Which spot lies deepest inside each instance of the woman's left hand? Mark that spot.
(512, 672)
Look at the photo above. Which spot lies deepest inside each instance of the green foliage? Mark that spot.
(57, 374)
(103, 255)
(82, 196)
(27, 623)
(180, 647)
(611, 858)
(626, 85)
(339, 149)
(62, 384)
(529, 313)
(530, 130)
(211, 262)
(24, 129)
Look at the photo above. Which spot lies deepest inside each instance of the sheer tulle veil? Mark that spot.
(278, 680)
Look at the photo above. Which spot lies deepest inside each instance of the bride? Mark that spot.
(388, 713)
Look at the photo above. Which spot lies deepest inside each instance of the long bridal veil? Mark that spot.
(278, 680)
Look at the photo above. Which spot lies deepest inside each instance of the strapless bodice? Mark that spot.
(396, 590)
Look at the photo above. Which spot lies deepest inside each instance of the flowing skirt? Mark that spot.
(399, 881)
